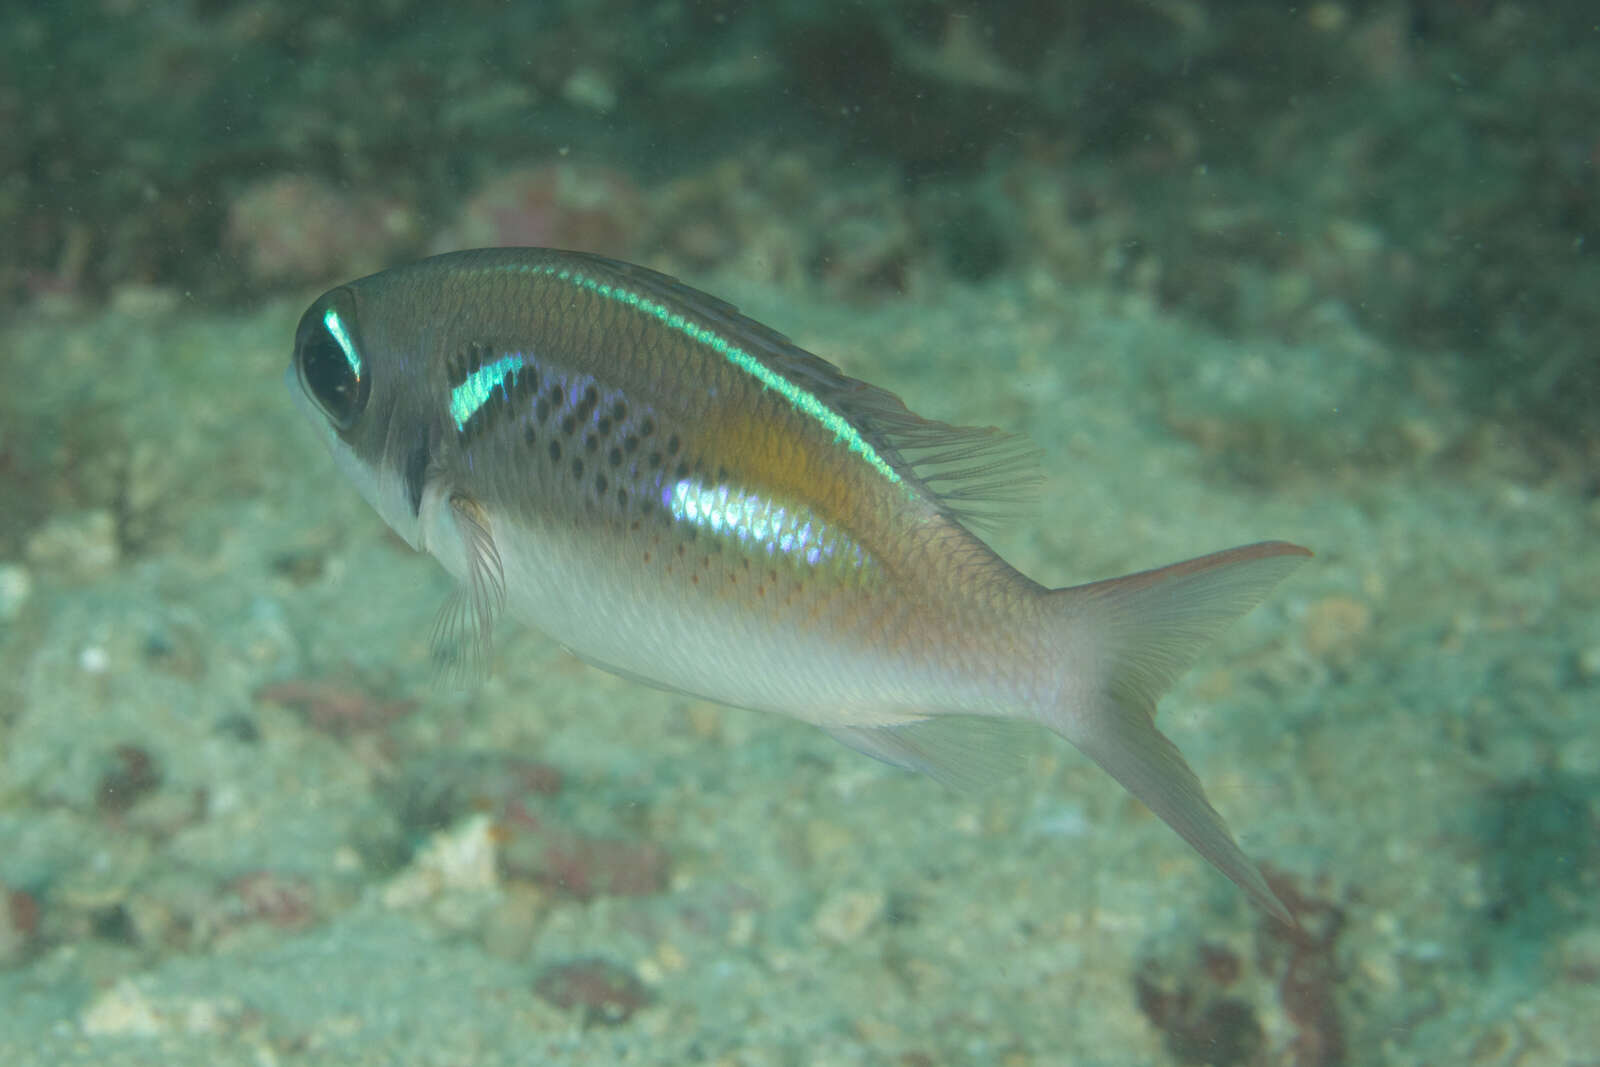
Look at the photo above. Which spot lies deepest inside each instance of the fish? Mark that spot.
(681, 495)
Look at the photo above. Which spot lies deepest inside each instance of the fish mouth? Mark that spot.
(395, 495)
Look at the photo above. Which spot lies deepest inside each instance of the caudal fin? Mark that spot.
(1126, 641)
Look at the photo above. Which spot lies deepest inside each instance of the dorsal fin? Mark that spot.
(975, 473)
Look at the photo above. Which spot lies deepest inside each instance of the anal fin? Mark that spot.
(964, 751)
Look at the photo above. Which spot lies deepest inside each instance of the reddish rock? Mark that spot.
(277, 899)
(565, 204)
(440, 789)
(19, 924)
(580, 866)
(1199, 997)
(335, 706)
(1199, 1028)
(132, 773)
(24, 910)
(607, 994)
(1221, 964)
(1308, 971)
(300, 229)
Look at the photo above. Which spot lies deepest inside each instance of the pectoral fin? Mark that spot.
(462, 640)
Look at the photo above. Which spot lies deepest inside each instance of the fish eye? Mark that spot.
(327, 355)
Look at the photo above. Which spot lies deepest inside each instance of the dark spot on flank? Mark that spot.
(647, 426)
(614, 457)
(629, 443)
(654, 459)
(682, 472)
(722, 474)
(530, 436)
(558, 396)
(569, 423)
(600, 482)
(619, 411)
(541, 410)
(622, 502)
(555, 451)
(603, 424)
(577, 467)
(590, 442)
(464, 362)
(672, 445)
(590, 400)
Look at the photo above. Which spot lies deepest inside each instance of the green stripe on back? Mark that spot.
(802, 400)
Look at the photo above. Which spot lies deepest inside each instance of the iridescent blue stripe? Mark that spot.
(475, 390)
(747, 517)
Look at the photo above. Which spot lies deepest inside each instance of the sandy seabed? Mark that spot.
(241, 822)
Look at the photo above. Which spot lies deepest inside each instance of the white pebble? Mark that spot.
(844, 916)
(82, 544)
(16, 585)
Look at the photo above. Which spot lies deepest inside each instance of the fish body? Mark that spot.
(679, 494)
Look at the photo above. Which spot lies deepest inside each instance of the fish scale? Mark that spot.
(679, 494)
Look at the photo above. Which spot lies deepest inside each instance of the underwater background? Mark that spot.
(1242, 270)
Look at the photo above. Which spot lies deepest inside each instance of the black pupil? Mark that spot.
(329, 377)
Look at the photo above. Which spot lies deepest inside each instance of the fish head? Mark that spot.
(352, 384)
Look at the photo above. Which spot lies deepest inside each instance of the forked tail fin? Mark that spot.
(1126, 641)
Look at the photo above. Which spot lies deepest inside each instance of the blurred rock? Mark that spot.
(125, 1010)
(581, 866)
(19, 924)
(16, 586)
(845, 915)
(581, 206)
(457, 860)
(80, 544)
(1335, 626)
(606, 993)
(294, 228)
(130, 773)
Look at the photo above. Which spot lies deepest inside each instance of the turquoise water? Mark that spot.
(241, 821)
